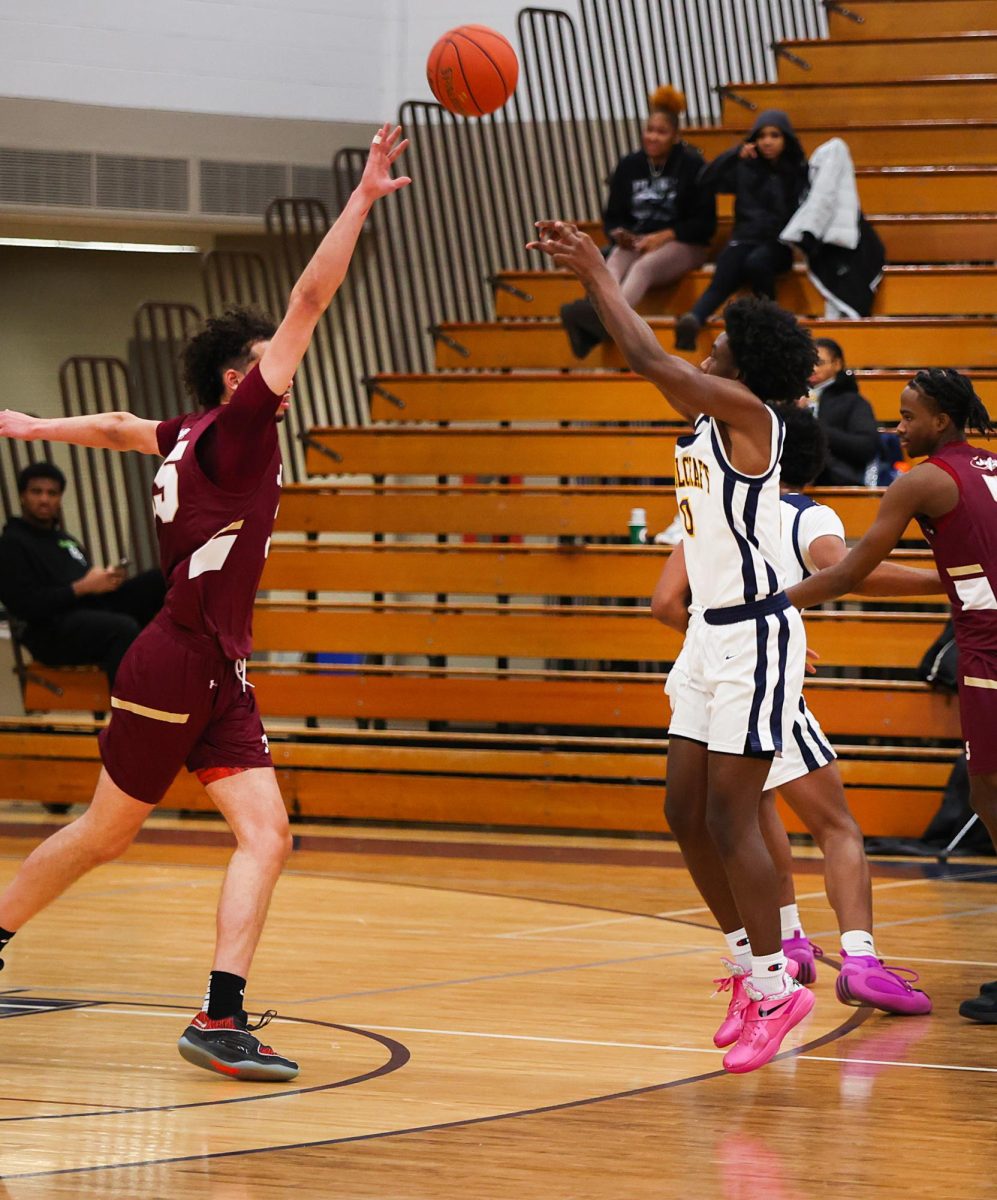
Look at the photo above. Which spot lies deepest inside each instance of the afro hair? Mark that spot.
(804, 446)
(223, 342)
(666, 99)
(775, 355)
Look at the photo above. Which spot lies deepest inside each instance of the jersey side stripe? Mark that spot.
(748, 575)
(779, 695)
(750, 515)
(796, 543)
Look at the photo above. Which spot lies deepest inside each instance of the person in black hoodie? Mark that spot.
(767, 175)
(845, 416)
(67, 612)
(658, 218)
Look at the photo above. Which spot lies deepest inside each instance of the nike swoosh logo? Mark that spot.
(767, 1012)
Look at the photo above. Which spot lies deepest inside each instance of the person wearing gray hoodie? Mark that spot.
(767, 175)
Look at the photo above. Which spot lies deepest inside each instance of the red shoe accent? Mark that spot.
(224, 1068)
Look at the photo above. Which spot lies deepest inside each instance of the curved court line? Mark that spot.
(398, 1056)
(853, 1022)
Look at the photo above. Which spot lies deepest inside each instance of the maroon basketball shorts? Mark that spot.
(174, 705)
(978, 709)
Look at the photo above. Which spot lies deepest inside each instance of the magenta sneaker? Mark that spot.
(767, 1020)
(734, 981)
(864, 979)
(804, 953)
(733, 1023)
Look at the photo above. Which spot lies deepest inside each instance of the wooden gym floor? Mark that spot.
(478, 1015)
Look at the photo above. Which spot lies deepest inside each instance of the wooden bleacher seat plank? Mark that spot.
(887, 58)
(527, 396)
(949, 97)
(497, 510)
(845, 708)
(875, 144)
(923, 238)
(882, 640)
(930, 290)
(551, 785)
(908, 18)
(427, 568)
(899, 342)
(606, 452)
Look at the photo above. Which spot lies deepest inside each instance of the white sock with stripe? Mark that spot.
(739, 948)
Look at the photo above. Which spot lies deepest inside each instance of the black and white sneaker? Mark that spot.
(228, 1047)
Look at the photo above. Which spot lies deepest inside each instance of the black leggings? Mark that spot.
(101, 628)
(753, 263)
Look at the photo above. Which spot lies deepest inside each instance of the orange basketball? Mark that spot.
(472, 70)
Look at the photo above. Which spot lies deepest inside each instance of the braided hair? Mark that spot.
(953, 394)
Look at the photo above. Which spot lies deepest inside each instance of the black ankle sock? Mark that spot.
(225, 994)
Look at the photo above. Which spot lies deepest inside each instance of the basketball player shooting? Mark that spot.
(181, 697)
(746, 661)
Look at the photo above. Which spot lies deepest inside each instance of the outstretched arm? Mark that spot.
(925, 489)
(326, 270)
(103, 431)
(687, 388)
(888, 579)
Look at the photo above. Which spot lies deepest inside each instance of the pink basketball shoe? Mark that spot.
(734, 981)
(767, 1020)
(805, 954)
(864, 979)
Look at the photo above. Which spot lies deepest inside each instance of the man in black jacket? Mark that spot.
(846, 418)
(67, 612)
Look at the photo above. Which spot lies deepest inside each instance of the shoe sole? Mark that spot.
(258, 1072)
(841, 990)
(805, 1008)
(980, 1018)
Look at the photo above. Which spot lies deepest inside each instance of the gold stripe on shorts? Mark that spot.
(154, 714)
(975, 681)
(972, 569)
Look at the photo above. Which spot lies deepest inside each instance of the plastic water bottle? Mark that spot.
(638, 526)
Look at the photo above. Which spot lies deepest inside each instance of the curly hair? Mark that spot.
(667, 101)
(804, 446)
(954, 395)
(775, 355)
(223, 342)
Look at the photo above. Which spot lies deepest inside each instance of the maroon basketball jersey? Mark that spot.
(964, 542)
(212, 543)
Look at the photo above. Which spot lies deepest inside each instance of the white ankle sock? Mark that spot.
(739, 948)
(858, 941)
(768, 973)
(789, 917)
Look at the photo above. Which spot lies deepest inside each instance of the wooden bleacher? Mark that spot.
(905, 291)
(462, 397)
(518, 682)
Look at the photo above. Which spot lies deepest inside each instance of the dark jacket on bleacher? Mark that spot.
(37, 570)
(645, 200)
(852, 434)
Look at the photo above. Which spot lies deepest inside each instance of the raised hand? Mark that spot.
(385, 149)
(568, 247)
(17, 425)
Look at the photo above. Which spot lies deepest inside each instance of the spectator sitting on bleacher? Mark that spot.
(767, 175)
(67, 612)
(658, 218)
(846, 417)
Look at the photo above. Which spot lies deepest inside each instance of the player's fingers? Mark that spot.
(399, 150)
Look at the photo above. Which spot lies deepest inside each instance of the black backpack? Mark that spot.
(940, 665)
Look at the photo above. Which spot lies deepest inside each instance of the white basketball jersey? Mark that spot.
(731, 523)
(803, 522)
